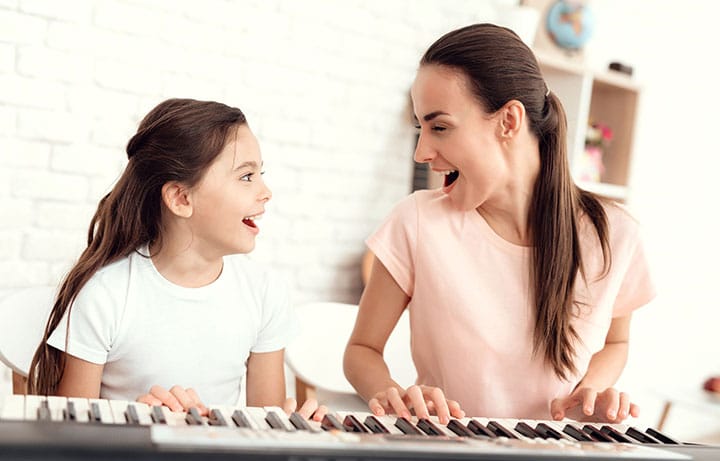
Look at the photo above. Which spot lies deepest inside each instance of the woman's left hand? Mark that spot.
(587, 404)
(310, 409)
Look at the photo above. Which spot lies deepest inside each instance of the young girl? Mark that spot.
(163, 296)
(520, 285)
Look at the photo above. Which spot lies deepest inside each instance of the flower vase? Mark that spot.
(591, 166)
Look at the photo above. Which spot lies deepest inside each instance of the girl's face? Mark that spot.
(457, 137)
(230, 197)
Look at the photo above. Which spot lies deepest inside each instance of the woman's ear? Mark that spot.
(176, 197)
(512, 116)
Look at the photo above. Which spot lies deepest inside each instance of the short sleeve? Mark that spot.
(395, 241)
(278, 325)
(637, 288)
(92, 323)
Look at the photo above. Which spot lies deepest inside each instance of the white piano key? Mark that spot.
(117, 408)
(106, 413)
(256, 416)
(389, 422)
(440, 425)
(82, 409)
(283, 417)
(32, 403)
(174, 418)
(143, 412)
(57, 406)
(13, 408)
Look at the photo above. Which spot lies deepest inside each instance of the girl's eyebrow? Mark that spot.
(251, 164)
(431, 115)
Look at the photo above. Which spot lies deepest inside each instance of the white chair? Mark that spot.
(316, 355)
(23, 316)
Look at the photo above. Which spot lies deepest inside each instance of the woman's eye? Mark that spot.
(438, 128)
(417, 126)
(247, 177)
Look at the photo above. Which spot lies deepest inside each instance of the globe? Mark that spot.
(570, 24)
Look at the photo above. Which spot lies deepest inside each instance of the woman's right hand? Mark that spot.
(424, 400)
(177, 398)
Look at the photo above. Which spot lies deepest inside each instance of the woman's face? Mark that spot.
(457, 137)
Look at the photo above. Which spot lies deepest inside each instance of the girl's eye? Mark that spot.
(417, 126)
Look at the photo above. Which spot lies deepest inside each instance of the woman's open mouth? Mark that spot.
(450, 177)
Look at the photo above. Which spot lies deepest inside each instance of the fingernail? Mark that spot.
(612, 415)
(588, 410)
(406, 414)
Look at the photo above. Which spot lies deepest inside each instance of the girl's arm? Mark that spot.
(80, 378)
(381, 306)
(594, 396)
(266, 379)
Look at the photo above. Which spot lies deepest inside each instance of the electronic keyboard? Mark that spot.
(37, 427)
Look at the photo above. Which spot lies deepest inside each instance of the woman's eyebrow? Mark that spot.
(250, 163)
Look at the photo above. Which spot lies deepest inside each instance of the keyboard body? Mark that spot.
(35, 427)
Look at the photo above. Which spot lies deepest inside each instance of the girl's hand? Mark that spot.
(310, 409)
(424, 400)
(177, 399)
(586, 404)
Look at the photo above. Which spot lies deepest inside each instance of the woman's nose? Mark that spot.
(423, 153)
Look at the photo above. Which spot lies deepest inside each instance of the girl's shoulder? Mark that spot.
(257, 274)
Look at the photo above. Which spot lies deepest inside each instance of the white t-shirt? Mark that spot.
(147, 330)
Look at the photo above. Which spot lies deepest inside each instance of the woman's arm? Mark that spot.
(381, 306)
(266, 379)
(80, 378)
(594, 397)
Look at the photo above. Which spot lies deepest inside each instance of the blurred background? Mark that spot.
(325, 87)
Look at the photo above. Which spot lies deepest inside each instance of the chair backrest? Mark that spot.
(23, 316)
(316, 355)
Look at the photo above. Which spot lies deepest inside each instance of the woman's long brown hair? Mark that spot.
(176, 141)
(499, 68)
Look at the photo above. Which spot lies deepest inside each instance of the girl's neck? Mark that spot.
(184, 265)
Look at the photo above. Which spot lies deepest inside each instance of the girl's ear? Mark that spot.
(512, 116)
(176, 197)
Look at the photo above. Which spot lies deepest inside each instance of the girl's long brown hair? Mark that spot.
(499, 68)
(176, 141)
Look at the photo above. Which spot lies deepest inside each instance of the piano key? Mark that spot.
(242, 420)
(257, 416)
(640, 436)
(158, 415)
(459, 428)
(277, 419)
(81, 407)
(13, 407)
(117, 408)
(216, 418)
(131, 416)
(596, 434)
(193, 417)
(70, 412)
(548, 432)
(526, 430)
(577, 433)
(479, 428)
(407, 427)
(300, 422)
(331, 423)
(375, 426)
(500, 430)
(43, 411)
(57, 406)
(661, 437)
(32, 403)
(388, 422)
(616, 435)
(352, 424)
(429, 427)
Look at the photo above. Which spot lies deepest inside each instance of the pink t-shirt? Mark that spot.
(471, 314)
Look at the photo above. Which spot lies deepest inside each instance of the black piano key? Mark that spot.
(43, 411)
(70, 413)
(299, 421)
(273, 419)
(640, 436)
(596, 434)
(352, 424)
(375, 425)
(548, 432)
(157, 415)
(216, 418)
(331, 423)
(525, 429)
(661, 437)
(500, 430)
(576, 433)
(241, 420)
(429, 427)
(193, 417)
(407, 427)
(615, 434)
(479, 429)
(131, 415)
(95, 413)
(459, 428)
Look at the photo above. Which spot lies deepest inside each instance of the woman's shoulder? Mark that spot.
(620, 218)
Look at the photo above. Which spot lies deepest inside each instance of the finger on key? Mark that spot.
(397, 404)
(613, 406)
(634, 410)
(149, 399)
(589, 398)
(182, 396)
(166, 397)
(623, 407)
(289, 405)
(375, 407)
(441, 407)
(415, 394)
(197, 402)
(455, 409)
